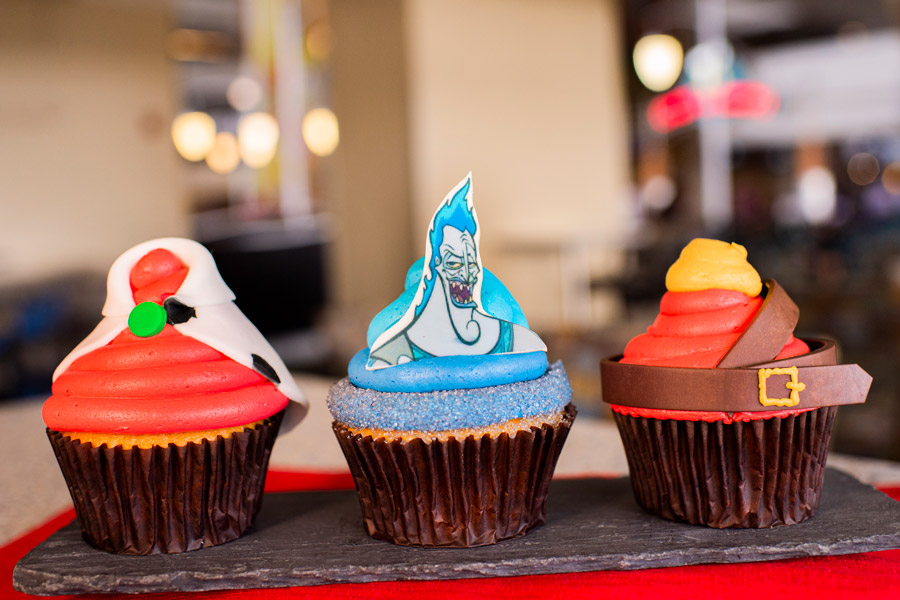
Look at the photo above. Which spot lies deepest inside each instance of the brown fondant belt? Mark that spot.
(745, 379)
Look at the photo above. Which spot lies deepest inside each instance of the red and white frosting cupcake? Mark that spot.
(174, 364)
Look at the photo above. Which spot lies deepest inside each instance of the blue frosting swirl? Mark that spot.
(448, 372)
(450, 409)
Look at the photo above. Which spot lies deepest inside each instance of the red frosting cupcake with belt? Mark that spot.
(181, 395)
(724, 414)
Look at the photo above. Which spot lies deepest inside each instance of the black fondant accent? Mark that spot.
(264, 368)
(178, 312)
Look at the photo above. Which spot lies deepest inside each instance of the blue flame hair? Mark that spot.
(457, 214)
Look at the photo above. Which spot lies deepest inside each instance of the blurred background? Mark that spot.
(308, 142)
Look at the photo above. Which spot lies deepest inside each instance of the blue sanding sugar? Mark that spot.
(451, 409)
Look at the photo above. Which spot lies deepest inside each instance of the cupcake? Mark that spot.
(452, 420)
(726, 416)
(164, 417)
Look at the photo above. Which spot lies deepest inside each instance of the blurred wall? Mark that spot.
(371, 251)
(529, 96)
(86, 165)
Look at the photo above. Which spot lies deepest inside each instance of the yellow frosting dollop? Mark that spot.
(713, 264)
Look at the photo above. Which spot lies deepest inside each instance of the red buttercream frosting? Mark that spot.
(695, 330)
(157, 276)
(165, 383)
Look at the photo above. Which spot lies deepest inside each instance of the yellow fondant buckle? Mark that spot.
(794, 385)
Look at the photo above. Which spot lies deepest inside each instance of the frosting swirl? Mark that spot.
(164, 384)
(693, 329)
(144, 382)
(712, 264)
(713, 296)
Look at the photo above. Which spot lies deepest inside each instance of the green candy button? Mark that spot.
(147, 319)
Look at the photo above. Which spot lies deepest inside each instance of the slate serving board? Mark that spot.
(313, 538)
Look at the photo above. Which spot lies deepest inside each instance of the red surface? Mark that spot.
(871, 576)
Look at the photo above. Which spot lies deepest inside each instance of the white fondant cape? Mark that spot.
(219, 323)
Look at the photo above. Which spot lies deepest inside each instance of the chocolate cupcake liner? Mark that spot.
(167, 499)
(454, 493)
(752, 474)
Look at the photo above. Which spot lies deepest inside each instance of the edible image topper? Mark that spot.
(446, 316)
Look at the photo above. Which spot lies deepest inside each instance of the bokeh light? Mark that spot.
(657, 61)
(707, 64)
(891, 178)
(817, 192)
(676, 108)
(319, 41)
(193, 134)
(257, 135)
(658, 193)
(863, 168)
(244, 93)
(320, 131)
(224, 156)
(193, 45)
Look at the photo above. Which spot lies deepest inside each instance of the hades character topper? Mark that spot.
(453, 309)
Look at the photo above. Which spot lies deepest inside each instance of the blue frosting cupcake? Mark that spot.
(452, 397)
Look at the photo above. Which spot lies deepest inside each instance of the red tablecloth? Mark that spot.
(870, 576)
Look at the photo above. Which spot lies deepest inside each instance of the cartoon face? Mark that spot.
(445, 317)
(457, 266)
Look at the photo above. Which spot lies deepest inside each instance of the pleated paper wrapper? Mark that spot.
(454, 493)
(754, 474)
(167, 499)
